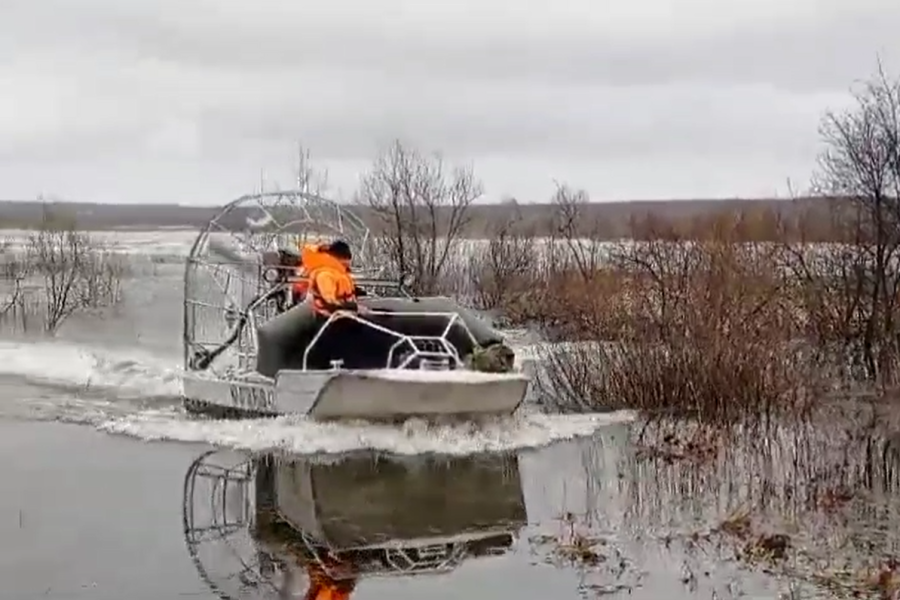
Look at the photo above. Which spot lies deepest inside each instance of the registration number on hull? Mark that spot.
(251, 397)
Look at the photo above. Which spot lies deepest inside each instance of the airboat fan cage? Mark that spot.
(218, 514)
(224, 271)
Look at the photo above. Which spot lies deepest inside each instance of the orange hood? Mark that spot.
(313, 257)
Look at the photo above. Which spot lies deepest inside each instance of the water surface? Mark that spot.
(90, 509)
(96, 451)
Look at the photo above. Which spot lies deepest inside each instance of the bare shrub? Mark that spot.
(564, 288)
(14, 272)
(421, 208)
(66, 271)
(733, 317)
(499, 272)
(692, 320)
(852, 287)
(577, 243)
(549, 283)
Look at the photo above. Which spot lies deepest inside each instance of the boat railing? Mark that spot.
(430, 350)
(405, 560)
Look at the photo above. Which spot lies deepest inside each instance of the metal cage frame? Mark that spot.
(195, 536)
(282, 217)
(239, 277)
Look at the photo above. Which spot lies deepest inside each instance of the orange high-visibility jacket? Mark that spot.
(330, 282)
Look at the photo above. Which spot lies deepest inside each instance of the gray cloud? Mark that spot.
(818, 45)
(698, 96)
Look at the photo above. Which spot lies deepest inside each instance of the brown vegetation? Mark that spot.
(59, 272)
(698, 319)
(747, 348)
(732, 317)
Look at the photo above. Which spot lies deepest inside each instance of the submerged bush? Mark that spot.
(728, 317)
(59, 272)
(686, 324)
(690, 319)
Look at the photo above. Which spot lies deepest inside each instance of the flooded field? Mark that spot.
(111, 491)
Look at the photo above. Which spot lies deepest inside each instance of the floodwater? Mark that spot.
(84, 515)
(110, 491)
(93, 516)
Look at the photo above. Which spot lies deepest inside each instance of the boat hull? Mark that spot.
(377, 395)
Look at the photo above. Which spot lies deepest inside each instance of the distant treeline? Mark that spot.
(612, 219)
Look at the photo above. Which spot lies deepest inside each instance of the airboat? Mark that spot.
(268, 526)
(252, 349)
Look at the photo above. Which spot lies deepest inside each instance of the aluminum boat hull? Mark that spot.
(376, 395)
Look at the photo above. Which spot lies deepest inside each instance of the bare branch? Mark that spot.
(67, 269)
(860, 166)
(421, 206)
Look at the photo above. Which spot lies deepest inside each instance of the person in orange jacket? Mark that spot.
(328, 275)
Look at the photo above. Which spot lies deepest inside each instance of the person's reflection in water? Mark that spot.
(333, 581)
(330, 577)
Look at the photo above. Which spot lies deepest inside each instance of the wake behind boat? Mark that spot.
(252, 347)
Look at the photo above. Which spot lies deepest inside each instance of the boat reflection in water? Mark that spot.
(315, 527)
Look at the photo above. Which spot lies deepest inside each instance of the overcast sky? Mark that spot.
(186, 100)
